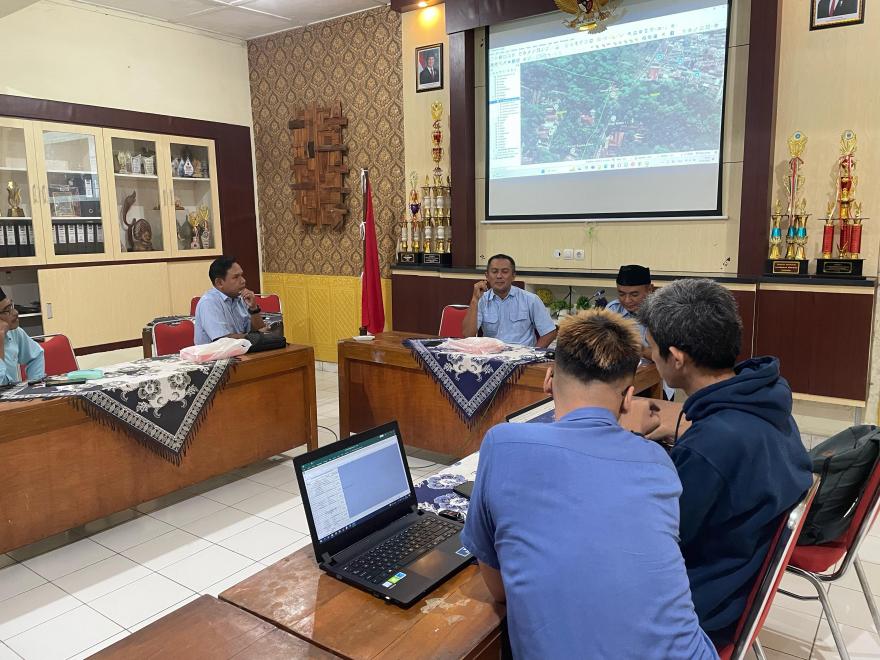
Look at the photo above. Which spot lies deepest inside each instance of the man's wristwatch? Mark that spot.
(254, 310)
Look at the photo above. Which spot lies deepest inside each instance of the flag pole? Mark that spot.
(363, 233)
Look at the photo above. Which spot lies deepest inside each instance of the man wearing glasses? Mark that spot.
(16, 348)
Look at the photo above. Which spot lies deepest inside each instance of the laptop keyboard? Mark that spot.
(375, 564)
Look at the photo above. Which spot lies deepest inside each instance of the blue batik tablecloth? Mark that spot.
(471, 382)
(435, 492)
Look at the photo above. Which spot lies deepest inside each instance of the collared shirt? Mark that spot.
(19, 349)
(514, 319)
(616, 306)
(581, 518)
(218, 315)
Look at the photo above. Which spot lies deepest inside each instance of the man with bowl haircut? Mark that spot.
(742, 463)
(575, 523)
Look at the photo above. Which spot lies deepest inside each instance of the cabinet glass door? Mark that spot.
(73, 192)
(137, 193)
(194, 190)
(20, 211)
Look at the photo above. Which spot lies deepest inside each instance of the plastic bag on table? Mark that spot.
(225, 347)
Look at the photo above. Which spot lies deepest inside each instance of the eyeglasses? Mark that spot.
(8, 309)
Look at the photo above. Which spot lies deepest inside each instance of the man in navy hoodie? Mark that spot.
(741, 463)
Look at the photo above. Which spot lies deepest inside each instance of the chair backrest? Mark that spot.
(192, 305)
(170, 337)
(866, 512)
(451, 320)
(58, 354)
(770, 575)
(269, 302)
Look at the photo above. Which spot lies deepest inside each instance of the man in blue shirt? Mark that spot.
(16, 348)
(506, 312)
(230, 308)
(742, 463)
(575, 523)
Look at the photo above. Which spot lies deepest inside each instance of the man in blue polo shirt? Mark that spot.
(506, 312)
(17, 349)
(575, 523)
(229, 309)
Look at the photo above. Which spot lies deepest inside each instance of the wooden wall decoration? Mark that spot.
(319, 166)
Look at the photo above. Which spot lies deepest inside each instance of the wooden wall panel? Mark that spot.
(821, 339)
(462, 148)
(745, 300)
(188, 279)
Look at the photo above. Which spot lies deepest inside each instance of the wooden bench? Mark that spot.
(210, 629)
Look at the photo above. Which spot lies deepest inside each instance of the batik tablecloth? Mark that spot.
(471, 382)
(435, 493)
(160, 402)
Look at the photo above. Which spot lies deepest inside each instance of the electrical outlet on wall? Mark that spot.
(557, 254)
(579, 255)
(568, 253)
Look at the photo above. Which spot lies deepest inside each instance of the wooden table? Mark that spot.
(380, 381)
(459, 619)
(210, 629)
(62, 469)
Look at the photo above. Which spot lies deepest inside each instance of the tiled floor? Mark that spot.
(71, 595)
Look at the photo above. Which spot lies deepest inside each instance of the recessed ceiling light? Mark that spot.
(423, 4)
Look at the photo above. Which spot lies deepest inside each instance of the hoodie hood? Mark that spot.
(757, 389)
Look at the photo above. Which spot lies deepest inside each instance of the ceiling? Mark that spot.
(242, 19)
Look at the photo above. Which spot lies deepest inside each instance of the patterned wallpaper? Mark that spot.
(355, 59)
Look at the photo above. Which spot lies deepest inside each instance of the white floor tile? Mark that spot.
(789, 631)
(294, 518)
(45, 545)
(132, 533)
(278, 474)
(141, 599)
(861, 644)
(188, 511)
(99, 579)
(65, 635)
(219, 587)
(291, 487)
(17, 579)
(269, 504)
(163, 613)
(261, 540)
(236, 491)
(165, 550)
(798, 585)
(325, 437)
(88, 653)
(68, 559)
(284, 552)
(771, 655)
(870, 549)
(6, 560)
(204, 568)
(851, 608)
(223, 524)
(7, 654)
(32, 608)
(851, 581)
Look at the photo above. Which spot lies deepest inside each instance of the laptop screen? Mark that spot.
(348, 487)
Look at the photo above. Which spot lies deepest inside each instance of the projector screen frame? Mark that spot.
(647, 216)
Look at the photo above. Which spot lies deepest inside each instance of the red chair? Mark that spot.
(170, 337)
(269, 302)
(451, 320)
(767, 582)
(58, 354)
(812, 562)
(192, 305)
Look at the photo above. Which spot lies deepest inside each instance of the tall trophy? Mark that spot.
(437, 200)
(847, 261)
(409, 244)
(13, 194)
(793, 220)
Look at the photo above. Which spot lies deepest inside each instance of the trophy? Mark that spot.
(408, 251)
(437, 140)
(795, 218)
(437, 199)
(847, 262)
(13, 192)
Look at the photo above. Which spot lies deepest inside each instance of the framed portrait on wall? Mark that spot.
(835, 13)
(429, 68)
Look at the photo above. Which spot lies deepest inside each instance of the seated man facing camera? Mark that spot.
(742, 463)
(575, 523)
(229, 309)
(17, 349)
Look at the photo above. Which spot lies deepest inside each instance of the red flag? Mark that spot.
(372, 308)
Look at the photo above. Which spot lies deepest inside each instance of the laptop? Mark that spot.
(542, 412)
(366, 527)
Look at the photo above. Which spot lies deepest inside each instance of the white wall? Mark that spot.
(63, 51)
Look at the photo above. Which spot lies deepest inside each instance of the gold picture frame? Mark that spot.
(836, 13)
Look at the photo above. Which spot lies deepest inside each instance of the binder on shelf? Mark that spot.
(61, 229)
(3, 251)
(32, 248)
(80, 238)
(11, 241)
(99, 236)
(91, 245)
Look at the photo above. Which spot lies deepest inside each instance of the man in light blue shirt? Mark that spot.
(506, 312)
(16, 348)
(230, 308)
(575, 523)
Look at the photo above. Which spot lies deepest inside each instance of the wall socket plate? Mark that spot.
(579, 255)
(568, 253)
(557, 254)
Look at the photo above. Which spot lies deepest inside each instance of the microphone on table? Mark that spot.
(599, 298)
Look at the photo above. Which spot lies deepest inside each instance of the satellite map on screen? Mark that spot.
(657, 97)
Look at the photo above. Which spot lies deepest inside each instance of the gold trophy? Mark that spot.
(436, 198)
(849, 218)
(408, 252)
(13, 193)
(795, 218)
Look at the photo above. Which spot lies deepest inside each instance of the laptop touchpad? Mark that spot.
(434, 563)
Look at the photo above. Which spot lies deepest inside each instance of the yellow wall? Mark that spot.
(62, 51)
(423, 28)
(319, 310)
(711, 245)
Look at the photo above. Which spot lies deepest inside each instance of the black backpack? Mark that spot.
(845, 462)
